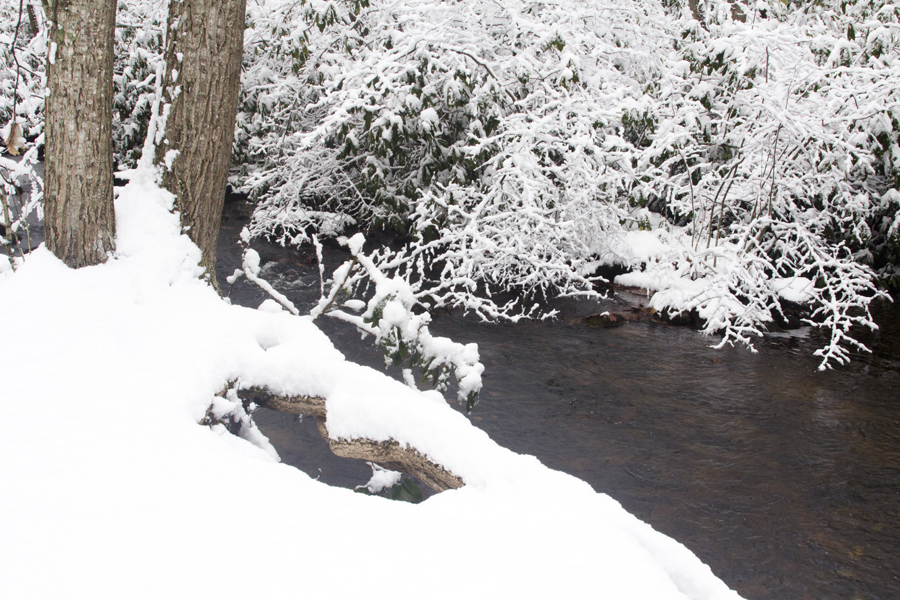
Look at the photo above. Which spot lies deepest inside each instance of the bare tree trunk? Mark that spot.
(695, 10)
(203, 72)
(78, 180)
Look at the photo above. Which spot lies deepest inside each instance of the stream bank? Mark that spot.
(785, 480)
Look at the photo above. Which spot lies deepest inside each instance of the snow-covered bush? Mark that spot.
(486, 131)
(16, 205)
(398, 319)
(23, 47)
(520, 144)
(769, 167)
(22, 82)
(395, 315)
(140, 28)
(138, 55)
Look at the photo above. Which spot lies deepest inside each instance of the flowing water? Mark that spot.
(785, 480)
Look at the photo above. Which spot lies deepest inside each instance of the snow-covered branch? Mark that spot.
(396, 317)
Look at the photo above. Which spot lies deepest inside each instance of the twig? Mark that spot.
(774, 160)
(10, 236)
(729, 178)
(486, 68)
(319, 310)
(693, 209)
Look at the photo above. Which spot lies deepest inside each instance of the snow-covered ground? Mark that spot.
(109, 487)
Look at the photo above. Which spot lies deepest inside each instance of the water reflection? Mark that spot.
(785, 480)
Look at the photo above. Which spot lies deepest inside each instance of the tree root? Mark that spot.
(388, 454)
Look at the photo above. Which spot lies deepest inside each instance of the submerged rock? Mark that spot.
(605, 319)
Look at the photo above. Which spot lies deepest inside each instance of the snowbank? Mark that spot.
(110, 488)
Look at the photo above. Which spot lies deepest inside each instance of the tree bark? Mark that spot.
(695, 10)
(201, 84)
(78, 179)
(391, 455)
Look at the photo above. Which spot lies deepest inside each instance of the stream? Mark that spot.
(783, 479)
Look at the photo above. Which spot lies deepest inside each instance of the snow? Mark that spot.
(794, 289)
(429, 118)
(170, 157)
(382, 478)
(641, 246)
(355, 305)
(355, 243)
(112, 489)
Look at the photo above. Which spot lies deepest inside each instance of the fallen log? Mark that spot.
(391, 455)
(388, 454)
(312, 406)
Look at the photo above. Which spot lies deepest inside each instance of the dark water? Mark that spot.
(786, 481)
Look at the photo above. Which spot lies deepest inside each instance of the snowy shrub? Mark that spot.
(486, 132)
(398, 319)
(770, 167)
(395, 316)
(23, 44)
(138, 55)
(519, 145)
(16, 205)
(22, 82)
(139, 49)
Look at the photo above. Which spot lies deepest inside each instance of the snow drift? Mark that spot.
(112, 489)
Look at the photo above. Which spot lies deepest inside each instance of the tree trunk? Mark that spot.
(202, 80)
(695, 10)
(78, 180)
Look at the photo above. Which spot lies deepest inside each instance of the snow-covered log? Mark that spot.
(388, 454)
(299, 405)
